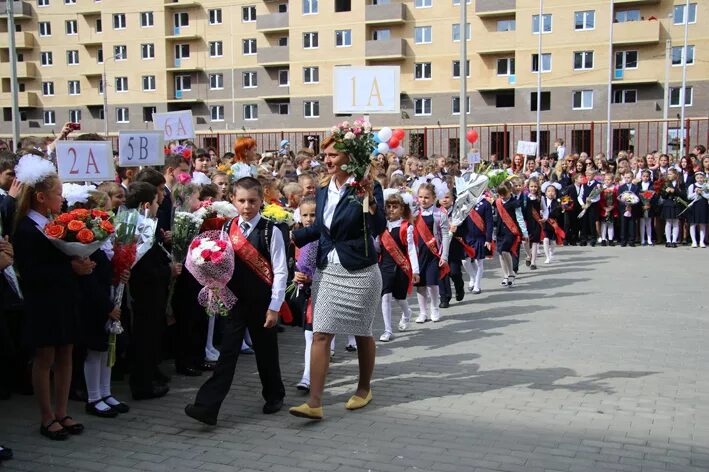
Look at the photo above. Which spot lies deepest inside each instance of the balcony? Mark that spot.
(183, 4)
(21, 10)
(636, 32)
(273, 56)
(272, 23)
(386, 14)
(27, 100)
(635, 2)
(23, 40)
(179, 34)
(385, 50)
(92, 70)
(25, 70)
(89, 40)
(492, 8)
(638, 76)
(499, 43)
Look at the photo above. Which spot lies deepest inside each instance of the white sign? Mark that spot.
(85, 161)
(140, 148)
(373, 89)
(175, 124)
(474, 157)
(527, 148)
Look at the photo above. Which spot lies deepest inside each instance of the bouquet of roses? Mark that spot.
(80, 232)
(646, 198)
(567, 203)
(215, 214)
(278, 214)
(211, 261)
(628, 199)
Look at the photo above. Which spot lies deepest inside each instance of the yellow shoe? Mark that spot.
(355, 402)
(305, 411)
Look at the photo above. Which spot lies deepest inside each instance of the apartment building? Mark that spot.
(268, 64)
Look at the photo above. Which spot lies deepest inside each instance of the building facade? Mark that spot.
(267, 64)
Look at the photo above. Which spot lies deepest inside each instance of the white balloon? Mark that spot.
(383, 148)
(399, 151)
(385, 134)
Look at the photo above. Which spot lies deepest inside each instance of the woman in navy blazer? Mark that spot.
(347, 286)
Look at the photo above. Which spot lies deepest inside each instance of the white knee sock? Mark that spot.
(668, 230)
(479, 268)
(527, 251)
(423, 300)
(692, 230)
(406, 310)
(435, 298)
(351, 340)
(245, 344)
(702, 234)
(468, 266)
(675, 230)
(611, 232)
(332, 344)
(92, 373)
(308, 344)
(535, 246)
(504, 267)
(210, 351)
(547, 253)
(386, 312)
(605, 231)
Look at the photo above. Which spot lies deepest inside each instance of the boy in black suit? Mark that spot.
(588, 220)
(627, 218)
(571, 220)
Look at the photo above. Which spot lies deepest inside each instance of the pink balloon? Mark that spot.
(471, 136)
(394, 142)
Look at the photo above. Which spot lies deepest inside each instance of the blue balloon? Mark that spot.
(376, 138)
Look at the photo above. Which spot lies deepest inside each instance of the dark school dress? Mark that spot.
(505, 238)
(96, 303)
(554, 214)
(699, 213)
(534, 229)
(428, 262)
(670, 208)
(394, 280)
(474, 236)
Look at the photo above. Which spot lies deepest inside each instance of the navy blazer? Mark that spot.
(346, 233)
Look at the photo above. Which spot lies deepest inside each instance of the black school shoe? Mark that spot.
(120, 408)
(270, 408)
(201, 414)
(92, 410)
(58, 435)
(157, 391)
(444, 304)
(459, 296)
(5, 453)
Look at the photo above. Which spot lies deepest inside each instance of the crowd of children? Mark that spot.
(562, 199)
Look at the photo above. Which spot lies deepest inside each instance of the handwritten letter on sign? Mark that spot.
(175, 124)
(373, 89)
(80, 161)
(140, 148)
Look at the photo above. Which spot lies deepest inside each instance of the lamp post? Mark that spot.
(463, 101)
(539, 77)
(683, 133)
(105, 93)
(13, 74)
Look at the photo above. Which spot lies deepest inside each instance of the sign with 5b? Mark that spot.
(85, 161)
(175, 124)
(140, 148)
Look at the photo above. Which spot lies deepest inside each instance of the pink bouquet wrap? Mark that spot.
(210, 260)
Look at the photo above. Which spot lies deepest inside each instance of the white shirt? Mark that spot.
(3, 192)
(39, 219)
(278, 263)
(334, 195)
(411, 246)
(546, 207)
(561, 152)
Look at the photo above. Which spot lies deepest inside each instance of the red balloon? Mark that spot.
(471, 136)
(399, 133)
(394, 142)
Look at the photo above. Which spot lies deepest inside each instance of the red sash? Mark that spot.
(400, 258)
(538, 219)
(253, 259)
(430, 242)
(478, 220)
(511, 225)
(560, 234)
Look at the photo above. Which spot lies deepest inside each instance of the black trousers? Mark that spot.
(456, 275)
(147, 330)
(571, 226)
(265, 344)
(588, 225)
(191, 320)
(627, 230)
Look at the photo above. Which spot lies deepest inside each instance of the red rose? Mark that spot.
(194, 244)
(221, 244)
(107, 226)
(64, 218)
(217, 257)
(206, 254)
(80, 213)
(54, 231)
(99, 214)
(85, 236)
(76, 225)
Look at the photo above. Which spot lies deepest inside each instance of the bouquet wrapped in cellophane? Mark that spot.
(211, 261)
(628, 199)
(80, 232)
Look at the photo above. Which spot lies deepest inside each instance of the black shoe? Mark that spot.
(593, 243)
(444, 304)
(459, 296)
(350, 348)
(631, 244)
(5, 453)
(188, 371)
(583, 243)
(157, 391)
(160, 377)
(76, 428)
(566, 243)
(533, 267)
(270, 408)
(78, 395)
(611, 243)
(208, 365)
(120, 408)
(668, 244)
(604, 243)
(58, 435)
(674, 245)
(92, 410)
(200, 414)
(528, 263)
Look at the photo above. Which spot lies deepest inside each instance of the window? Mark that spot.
(75, 116)
(99, 25)
(311, 108)
(99, 56)
(343, 5)
(248, 13)
(148, 83)
(72, 57)
(147, 51)
(423, 3)
(146, 19)
(626, 60)
(215, 16)
(627, 15)
(74, 87)
(310, 7)
(546, 24)
(582, 100)
(182, 51)
(283, 108)
(119, 21)
(506, 66)
(422, 106)
(100, 86)
(282, 8)
(183, 83)
(48, 89)
(456, 32)
(216, 49)
(625, 96)
(69, 2)
(584, 20)
(546, 101)
(182, 19)
(46, 58)
(310, 40)
(249, 80)
(148, 113)
(505, 99)
(675, 98)
(216, 81)
(49, 117)
(283, 78)
(42, 3)
(677, 55)
(422, 70)
(122, 115)
(283, 41)
(678, 15)
(506, 25)
(71, 27)
(121, 84)
(120, 52)
(456, 69)
(216, 113)
(381, 34)
(101, 115)
(583, 60)
(457, 2)
(423, 34)
(546, 62)
(45, 28)
(456, 105)
(343, 38)
(311, 75)
(249, 47)
(250, 112)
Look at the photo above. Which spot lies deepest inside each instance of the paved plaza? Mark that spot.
(597, 362)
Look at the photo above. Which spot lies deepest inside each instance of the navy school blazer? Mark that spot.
(346, 233)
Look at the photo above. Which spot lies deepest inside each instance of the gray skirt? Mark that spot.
(345, 302)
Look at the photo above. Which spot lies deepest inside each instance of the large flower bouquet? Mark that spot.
(306, 263)
(215, 214)
(278, 214)
(184, 229)
(628, 199)
(357, 141)
(80, 232)
(211, 261)
(567, 203)
(495, 178)
(592, 198)
(646, 198)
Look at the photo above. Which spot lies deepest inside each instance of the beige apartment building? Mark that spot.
(268, 64)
